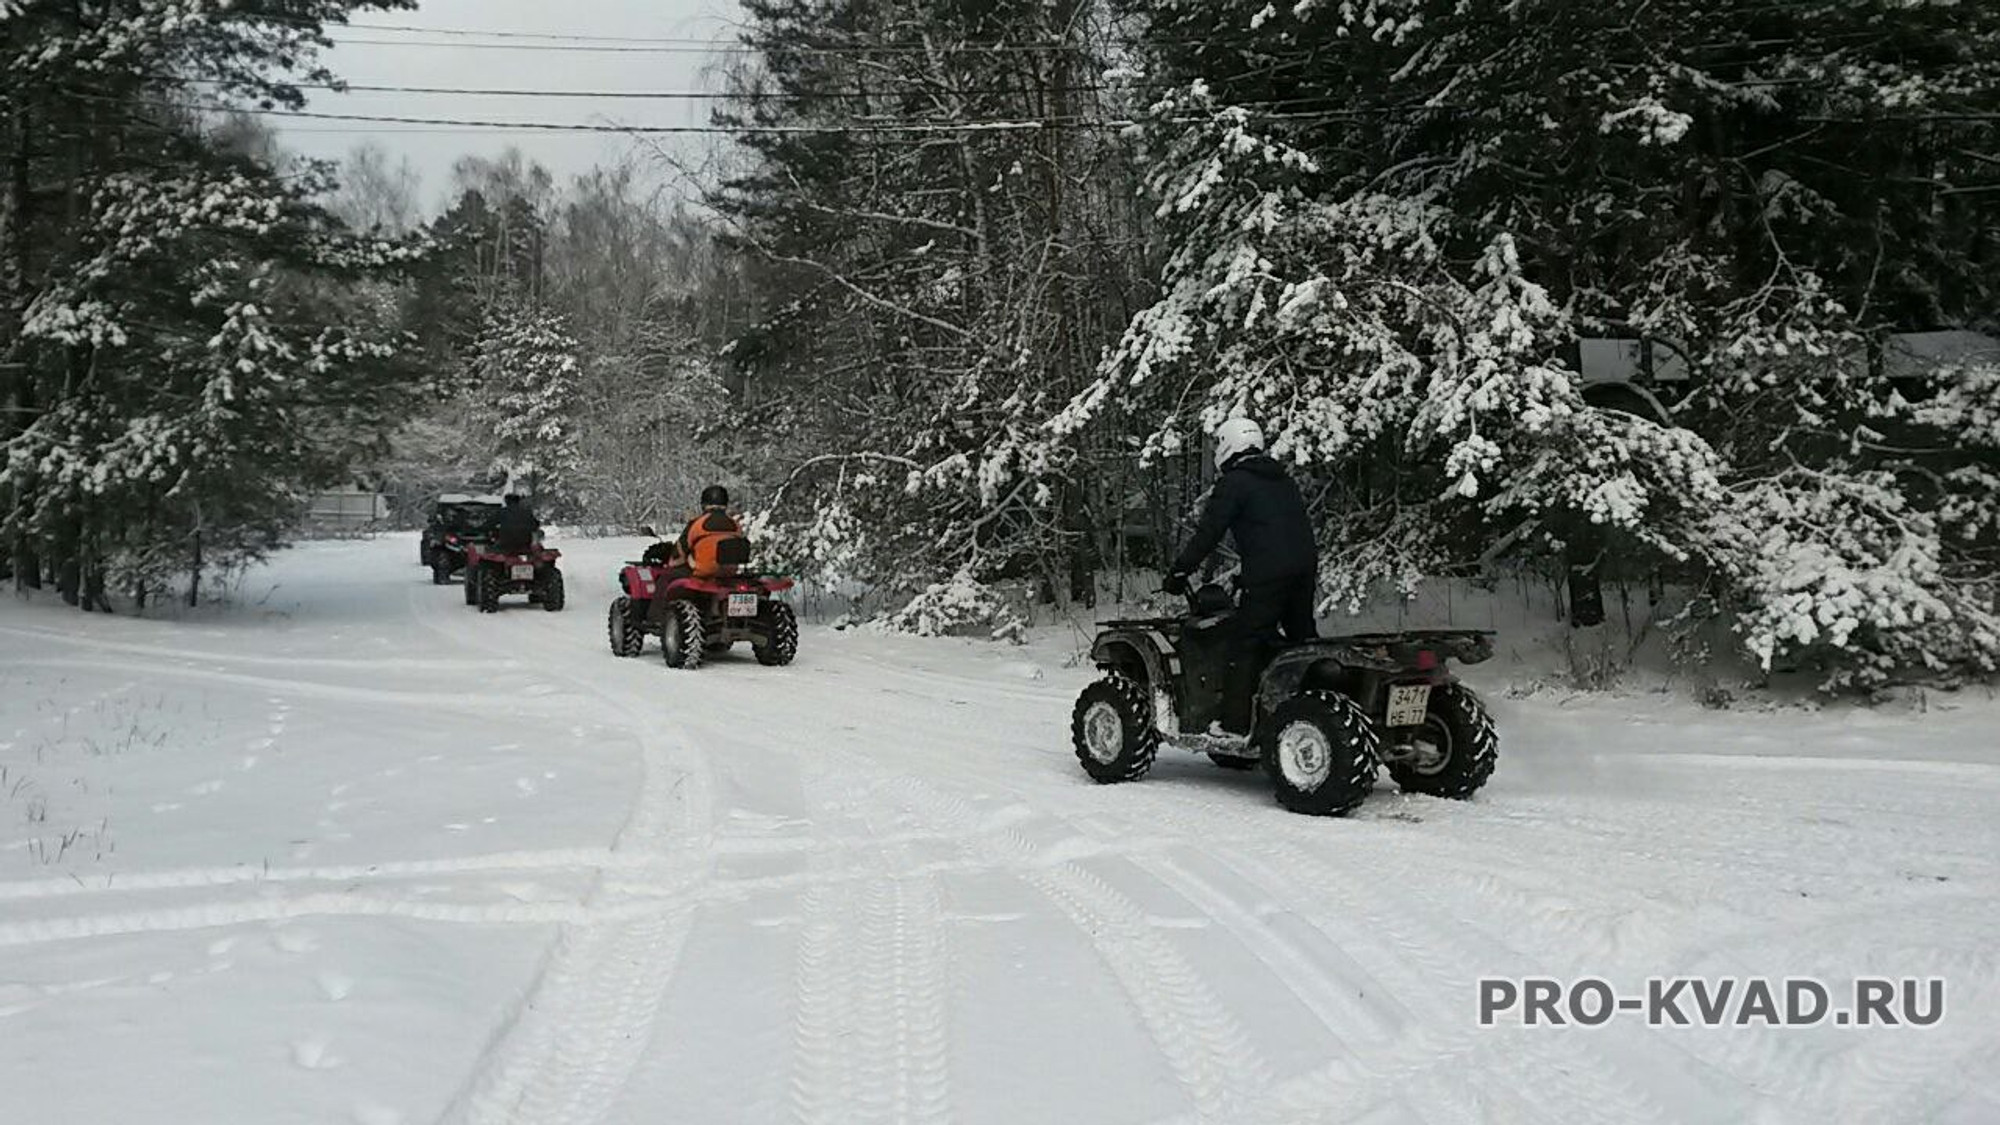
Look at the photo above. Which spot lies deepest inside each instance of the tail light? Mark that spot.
(1426, 660)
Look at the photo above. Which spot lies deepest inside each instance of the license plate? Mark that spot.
(524, 573)
(742, 605)
(1407, 704)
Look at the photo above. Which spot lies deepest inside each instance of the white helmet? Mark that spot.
(1238, 435)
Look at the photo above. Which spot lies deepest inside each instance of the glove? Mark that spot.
(1175, 584)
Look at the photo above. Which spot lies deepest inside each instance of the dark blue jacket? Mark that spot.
(1256, 501)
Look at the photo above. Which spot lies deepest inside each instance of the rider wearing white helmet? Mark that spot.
(1257, 503)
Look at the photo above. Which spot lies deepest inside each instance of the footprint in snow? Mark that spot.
(206, 788)
(372, 1113)
(313, 1054)
(525, 785)
(295, 941)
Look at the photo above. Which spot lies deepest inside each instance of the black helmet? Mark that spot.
(715, 496)
(512, 499)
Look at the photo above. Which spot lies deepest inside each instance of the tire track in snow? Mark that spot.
(571, 1043)
(211, 877)
(214, 914)
(1419, 955)
(1409, 959)
(482, 704)
(1149, 977)
(1210, 1052)
(1417, 950)
(871, 1034)
(226, 656)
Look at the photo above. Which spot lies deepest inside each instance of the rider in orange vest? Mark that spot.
(713, 543)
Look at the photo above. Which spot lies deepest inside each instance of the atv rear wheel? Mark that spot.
(1112, 730)
(440, 569)
(1320, 750)
(471, 586)
(490, 583)
(682, 636)
(627, 639)
(784, 632)
(1457, 747)
(549, 590)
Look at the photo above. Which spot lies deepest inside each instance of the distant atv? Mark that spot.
(699, 617)
(1327, 712)
(491, 573)
(455, 521)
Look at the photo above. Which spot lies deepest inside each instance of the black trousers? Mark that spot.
(1265, 611)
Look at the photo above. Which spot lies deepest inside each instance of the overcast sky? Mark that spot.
(526, 64)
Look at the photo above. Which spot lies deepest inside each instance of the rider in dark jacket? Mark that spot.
(515, 528)
(1257, 503)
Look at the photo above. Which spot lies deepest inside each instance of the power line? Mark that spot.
(558, 35)
(666, 95)
(996, 126)
(702, 47)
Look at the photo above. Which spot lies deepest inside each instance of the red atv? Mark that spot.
(491, 572)
(699, 617)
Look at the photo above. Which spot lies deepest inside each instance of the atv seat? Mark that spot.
(733, 552)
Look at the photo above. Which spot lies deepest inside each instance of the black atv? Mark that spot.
(455, 522)
(1327, 712)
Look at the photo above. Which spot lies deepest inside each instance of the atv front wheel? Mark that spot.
(1457, 748)
(1112, 730)
(549, 590)
(784, 637)
(489, 592)
(471, 586)
(627, 639)
(440, 570)
(1320, 750)
(682, 637)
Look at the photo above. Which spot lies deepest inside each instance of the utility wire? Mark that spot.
(665, 95)
(1024, 125)
(996, 48)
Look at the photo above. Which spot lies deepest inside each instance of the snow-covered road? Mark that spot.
(347, 851)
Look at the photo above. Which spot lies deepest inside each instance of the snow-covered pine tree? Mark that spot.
(527, 379)
(184, 355)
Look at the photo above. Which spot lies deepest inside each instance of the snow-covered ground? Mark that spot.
(346, 851)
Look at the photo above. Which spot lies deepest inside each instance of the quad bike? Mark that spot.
(453, 521)
(492, 572)
(1325, 714)
(700, 617)
(448, 557)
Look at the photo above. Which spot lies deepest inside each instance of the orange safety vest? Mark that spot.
(716, 546)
